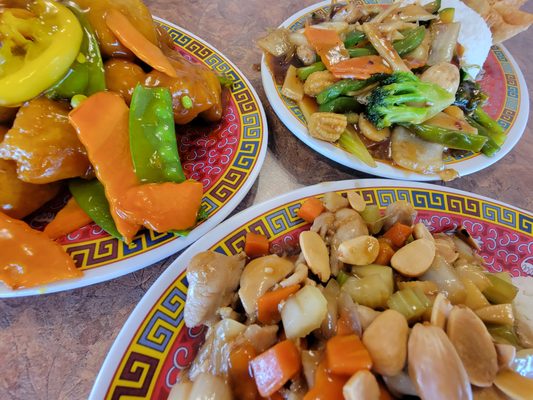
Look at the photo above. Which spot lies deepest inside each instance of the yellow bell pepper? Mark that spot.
(38, 47)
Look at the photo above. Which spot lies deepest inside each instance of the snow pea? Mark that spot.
(353, 38)
(90, 195)
(340, 105)
(304, 72)
(153, 145)
(447, 137)
(412, 39)
(346, 86)
(491, 147)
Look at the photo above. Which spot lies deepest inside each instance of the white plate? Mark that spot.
(287, 111)
(96, 252)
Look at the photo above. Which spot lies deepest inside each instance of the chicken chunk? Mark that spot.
(213, 278)
(44, 144)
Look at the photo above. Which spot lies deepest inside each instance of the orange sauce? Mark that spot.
(29, 258)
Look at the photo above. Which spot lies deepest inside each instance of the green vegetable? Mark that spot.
(483, 119)
(353, 38)
(346, 86)
(352, 118)
(385, 273)
(491, 147)
(304, 72)
(503, 334)
(403, 98)
(361, 51)
(77, 99)
(351, 142)
(433, 7)
(90, 195)
(501, 291)
(412, 39)
(447, 15)
(86, 75)
(373, 219)
(371, 291)
(342, 277)
(225, 81)
(447, 137)
(469, 96)
(341, 105)
(186, 102)
(152, 136)
(412, 303)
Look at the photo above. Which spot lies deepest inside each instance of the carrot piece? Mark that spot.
(267, 304)
(385, 252)
(344, 327)
(328, 45)
(255, 244)
(346, 355)
(135, 41)
(101, 123)
(273, 368)
(276, 396)
(242, 382)
(328, 386)
(360, 67)
(30, 258)
(166, 206)
(384, 393)
(68, 219)
(398, 234)
(310, 209)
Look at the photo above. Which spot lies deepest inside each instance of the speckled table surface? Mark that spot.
(52, 346)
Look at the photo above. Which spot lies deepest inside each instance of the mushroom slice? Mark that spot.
(362, 385)
(259, 276)
(473, 343)
(415, 258)
(440, 310)
(514, 385)
(362, 250)
(316, 254)
(434, 366)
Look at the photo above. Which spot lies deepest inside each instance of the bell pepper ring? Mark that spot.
(54, 43)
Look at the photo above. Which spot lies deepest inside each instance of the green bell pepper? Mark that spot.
(153, 145)
(86, 75)
(90, 195)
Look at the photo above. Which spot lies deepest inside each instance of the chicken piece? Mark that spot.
(136, 12)
(213, 278)
(44, 144)
(261, 337)
(323, 223)
(197, 82)
(400, 211)
(17, 198)
(122, 76)
(346, 228)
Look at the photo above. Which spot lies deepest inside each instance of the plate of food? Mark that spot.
(124, 138)
(282, 285)
(399, 90)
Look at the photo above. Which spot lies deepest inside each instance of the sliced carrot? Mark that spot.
(310, 209)
(344, 327)
(328, 45)
(256, 245)
(268, 304)
(242, 382)
(360, 67)
(346, 355)
(328, 386)
(134, 40)
(68, 219)
(162, 207)
(398, 234)
(385, 252)
(101, 122)
(273, 368)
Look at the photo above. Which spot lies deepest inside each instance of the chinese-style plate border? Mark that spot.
(240, 148)
(503, 81)
(154, 346)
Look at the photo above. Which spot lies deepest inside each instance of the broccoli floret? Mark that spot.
(403, 98)
(469, 96)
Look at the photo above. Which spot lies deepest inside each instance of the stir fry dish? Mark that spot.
(371, 306)
(91, 92)
(394, 83)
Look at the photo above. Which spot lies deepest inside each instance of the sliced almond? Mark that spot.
(362, 385)
(506, 355)
(356, 201)
(420, 231)
(316, 254)
(473, 343)
(514, 385)
(362, 250)
(414, 258)
(440, 310)
(434, 366)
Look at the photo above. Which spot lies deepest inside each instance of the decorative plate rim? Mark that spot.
(175, 270)
(385, 170)
(143, 260)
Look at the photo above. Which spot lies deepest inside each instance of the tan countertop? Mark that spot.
(52, 346)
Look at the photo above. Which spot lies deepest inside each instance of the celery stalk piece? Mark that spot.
(350, 142)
